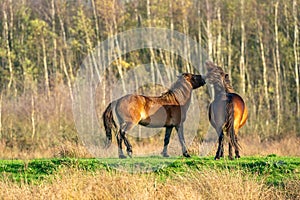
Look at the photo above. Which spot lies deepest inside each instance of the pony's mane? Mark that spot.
(227, 84)
(219, 78)
(178, 90)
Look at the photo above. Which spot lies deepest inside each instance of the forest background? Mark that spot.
(43, 44)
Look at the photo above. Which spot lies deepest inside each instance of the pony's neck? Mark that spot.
(182, 92)
(217, 89)
(220, 89)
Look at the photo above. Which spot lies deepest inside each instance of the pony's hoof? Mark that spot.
(164, 154)
(217, 158)
(130, 154)
(186, 155)
(237, 157)
(230, 158)
(122, 156)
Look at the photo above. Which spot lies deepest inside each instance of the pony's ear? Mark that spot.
(181, 75)
(226, 77)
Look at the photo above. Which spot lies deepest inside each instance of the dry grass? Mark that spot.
(251, 146)
(292, 189)
(104, 185)
(66, 149)
(287, 146)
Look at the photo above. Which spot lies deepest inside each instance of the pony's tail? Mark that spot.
(109, 124)
(228, 127)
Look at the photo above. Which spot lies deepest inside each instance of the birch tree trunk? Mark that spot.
(11, 23)
(186, 47)
(229, 38)
(96, 21)
(53, 13)
(150, 43)
(98, 51)
(208, 30)
(33, 122)
(65, 62)
(118, 57)
(242, 58)
(296, 56)
(8, 49)
(65, 70)
(171, 55)
(219, 39)
(200, 53)
(46, 74)
(67, 58)
(277, 69)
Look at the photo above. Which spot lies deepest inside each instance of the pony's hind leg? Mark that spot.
(230, 151)
(237, 152)
(127, 126)
(164, 153)
(128, 146)
(220, 151)
(119, 141)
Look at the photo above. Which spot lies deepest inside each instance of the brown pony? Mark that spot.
(228, 112)
(168, 110)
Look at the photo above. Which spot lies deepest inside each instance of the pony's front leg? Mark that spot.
(220, 150)
(164, 153)
(119, 141)
(179, 130)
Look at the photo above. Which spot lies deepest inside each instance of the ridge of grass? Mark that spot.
(274, 170)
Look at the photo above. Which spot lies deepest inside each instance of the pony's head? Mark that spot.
(194, 80)
(217, 77)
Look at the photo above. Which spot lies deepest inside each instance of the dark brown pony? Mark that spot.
(228, 112)
(168, 110)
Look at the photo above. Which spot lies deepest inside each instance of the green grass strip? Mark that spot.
(273, 169)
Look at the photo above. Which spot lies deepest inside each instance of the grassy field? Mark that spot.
(270, 177)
